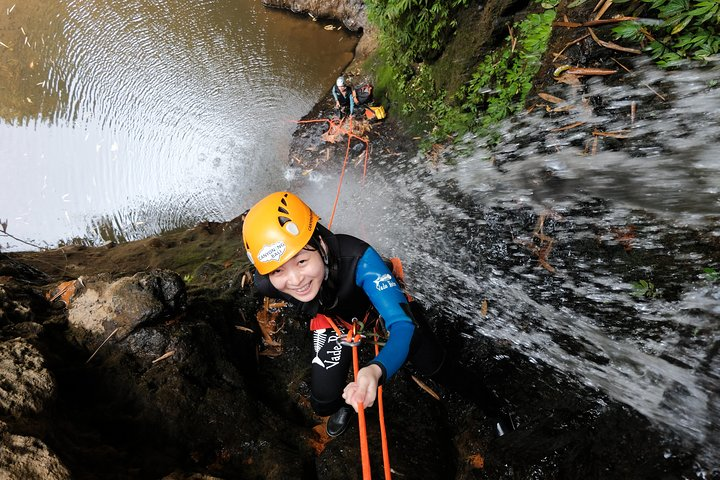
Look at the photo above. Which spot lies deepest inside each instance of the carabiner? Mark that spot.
(348, 343)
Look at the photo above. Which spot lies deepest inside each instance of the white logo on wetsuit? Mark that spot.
(321, 339)
(318, 342)
(383, 282)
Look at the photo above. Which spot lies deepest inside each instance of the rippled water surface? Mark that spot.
(121, 119)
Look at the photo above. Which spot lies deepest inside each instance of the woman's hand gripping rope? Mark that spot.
(364, 389)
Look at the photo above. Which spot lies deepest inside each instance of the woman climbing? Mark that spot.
(333, 279)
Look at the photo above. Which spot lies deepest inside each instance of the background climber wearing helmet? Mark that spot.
(339, 277)
(344, 95)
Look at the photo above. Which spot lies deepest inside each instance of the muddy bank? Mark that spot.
(351, 14)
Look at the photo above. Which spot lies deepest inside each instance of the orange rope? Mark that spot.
(381, 414)
(344, 166)
(362, 427)
(352, 336)
(342, 174)
(355, 338)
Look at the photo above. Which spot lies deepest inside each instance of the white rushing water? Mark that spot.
(464, 230)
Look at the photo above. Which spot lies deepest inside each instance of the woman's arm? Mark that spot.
(383, 290)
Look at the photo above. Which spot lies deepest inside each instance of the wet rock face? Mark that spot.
(181, 391)
(26, 388)
(17, 303)
(10, 309)
(350, 12)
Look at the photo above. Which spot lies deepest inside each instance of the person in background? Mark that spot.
(333, 279)
(344, 95)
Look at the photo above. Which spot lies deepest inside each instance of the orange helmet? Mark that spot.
(275, 229)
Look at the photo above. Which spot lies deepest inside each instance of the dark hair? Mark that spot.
(314, 244)
(328, 290)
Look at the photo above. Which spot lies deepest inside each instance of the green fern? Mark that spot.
(689, 30)
(414, 31)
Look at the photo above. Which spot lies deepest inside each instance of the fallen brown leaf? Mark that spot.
(164, 356)
(550, 98)
(569, 79)
(589, 71)
(476, 461)
(620, 134)
(611, 45)
(427, 389)
(319, 439)
(568, 127)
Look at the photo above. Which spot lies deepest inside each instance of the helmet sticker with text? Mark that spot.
(271, 253)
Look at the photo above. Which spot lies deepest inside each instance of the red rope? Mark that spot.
(354, 338)
(344, 166)
(342, 174)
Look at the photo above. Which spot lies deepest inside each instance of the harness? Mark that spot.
(353, 339)
(344, 299)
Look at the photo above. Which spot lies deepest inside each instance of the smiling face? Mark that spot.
(300, 277)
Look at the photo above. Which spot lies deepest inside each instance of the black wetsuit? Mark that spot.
(359, 281)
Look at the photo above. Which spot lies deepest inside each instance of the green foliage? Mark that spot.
(712, 274)
(411, 32)
(689, 30)
(500, 84)
(644, 288)
(188, 278)
(414, 31)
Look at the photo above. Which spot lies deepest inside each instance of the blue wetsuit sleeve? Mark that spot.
(352, 102)
(375, 278)
(334, 93)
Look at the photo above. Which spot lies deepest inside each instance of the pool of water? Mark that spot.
(123, 119)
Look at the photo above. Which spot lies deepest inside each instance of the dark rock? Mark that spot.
(104, 307)
(350, 12)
